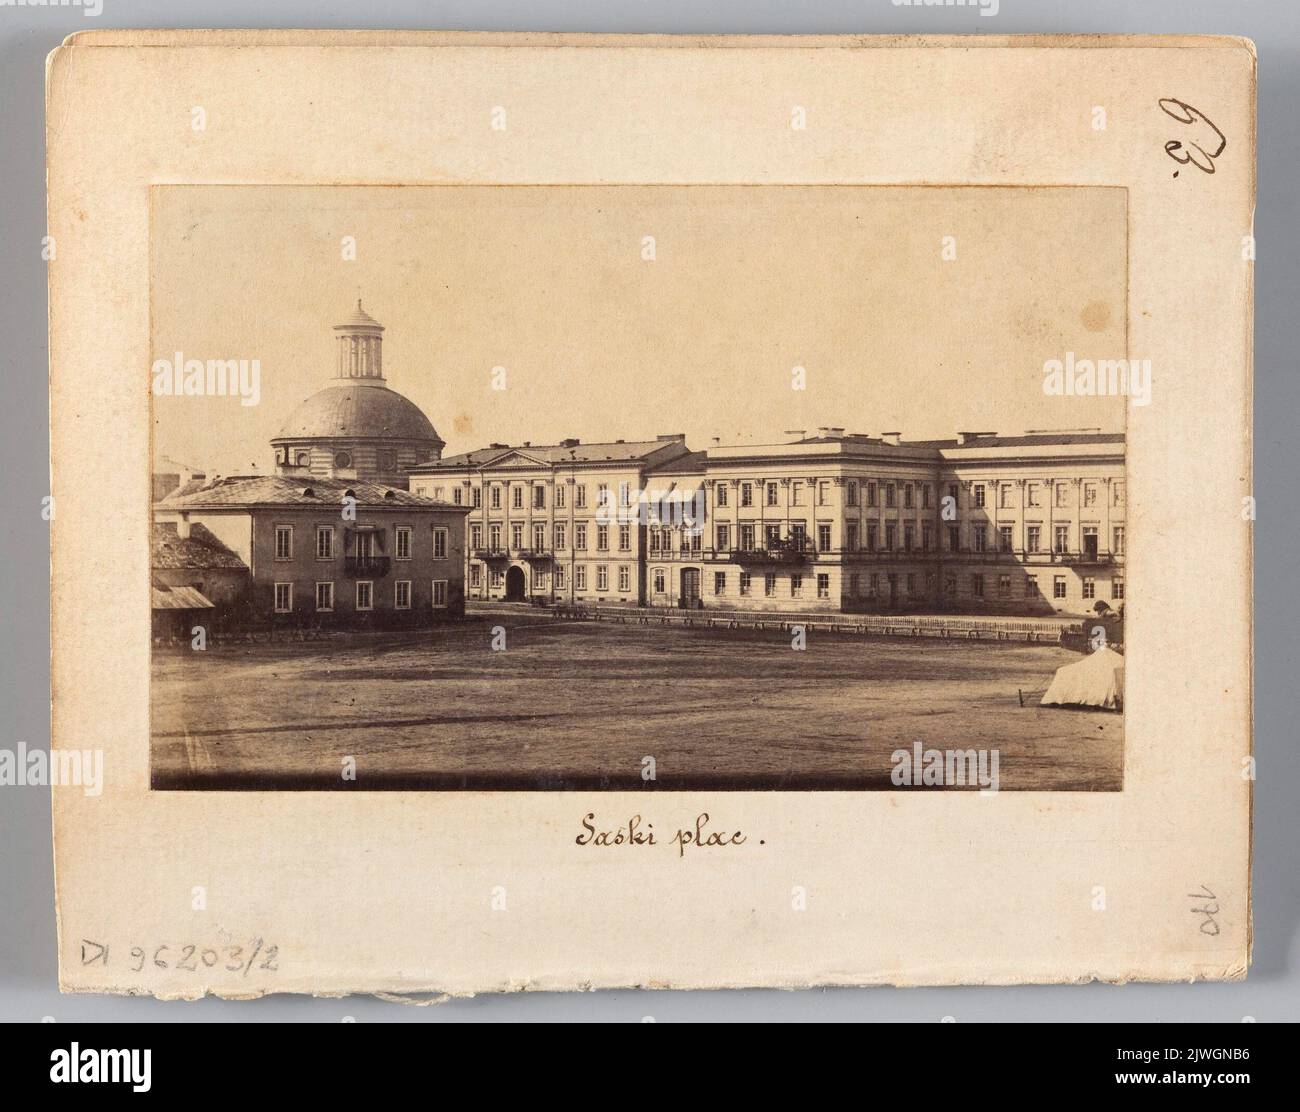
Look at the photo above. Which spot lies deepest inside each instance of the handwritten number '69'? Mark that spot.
(1182, 152)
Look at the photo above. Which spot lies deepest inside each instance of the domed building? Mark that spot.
(357, 428)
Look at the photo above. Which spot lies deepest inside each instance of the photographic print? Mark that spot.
(639, 487)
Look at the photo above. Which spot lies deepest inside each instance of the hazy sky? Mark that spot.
(550, 282)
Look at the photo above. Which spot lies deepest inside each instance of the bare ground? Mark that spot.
(577, 705)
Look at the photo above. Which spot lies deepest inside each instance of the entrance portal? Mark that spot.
(690, 596)
(515, 587)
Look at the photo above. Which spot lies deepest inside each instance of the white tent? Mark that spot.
(1095, 681)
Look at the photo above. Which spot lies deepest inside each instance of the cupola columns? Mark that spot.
(360, 341)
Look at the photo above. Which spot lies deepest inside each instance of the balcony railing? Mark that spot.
(365, 566)
(490, 554)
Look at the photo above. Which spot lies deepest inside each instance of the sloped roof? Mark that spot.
(241, 491)
(619, 451)
(201, 549)
(689, 464)
(178, 598)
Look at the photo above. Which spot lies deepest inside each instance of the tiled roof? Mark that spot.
(620, 450)
(200, 550)
(283, 490)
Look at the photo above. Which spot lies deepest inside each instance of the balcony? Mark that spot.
(365, 567)
(782, 552)
(534, 554)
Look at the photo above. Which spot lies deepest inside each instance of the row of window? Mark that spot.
(623, 572)
(365, 596)
(818, 490)
(561, 534)
(326, 548)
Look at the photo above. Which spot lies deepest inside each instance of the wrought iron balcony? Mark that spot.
(490, 554)
(365, 567)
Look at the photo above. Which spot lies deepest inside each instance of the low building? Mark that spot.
(330, 551)
(1030, 524)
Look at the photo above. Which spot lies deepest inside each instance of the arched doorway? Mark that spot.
(515, 584)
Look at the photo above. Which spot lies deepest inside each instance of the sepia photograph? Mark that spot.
(639, 487)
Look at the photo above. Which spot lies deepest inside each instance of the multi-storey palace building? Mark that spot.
(835, 521)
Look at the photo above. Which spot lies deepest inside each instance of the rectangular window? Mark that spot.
(954, 538)
(1089, 587)
(1031, 495)
(324, 596)
(1004, 538)
(851, 497)
(796, 585)
(769, 583)
(891, 496)
(1031, 586)
(284, 542)
(891, 536)
(476, 498)
(1117, 540)
(747, 538)
(1062, 538)
(476, 536)
(516, 536)
(402, 542)
(719, 582)
(517, 497)
(561, 537)
(746, 494)
(402, 594)
(539, 537)
(1062, 493)
(660, 581)
(771, 494)
(1058, 586)
(771, 536)
(911, 583)
(559, 496)
(624, 578)
(978, 490)
(496, 498)
(559, 576)
(873, 585)
(724, 538)
(324, 542)
(283, 598)
(823, 493)
(498, 577)
(979, 537)
(580, 577)
(823, 538)
(925, 496)
(625, 538)
(539, 498)
(365, 595)
(602, 577)
(871, 537)
(602, 538)
(1117, 590)
(744, 582)
(580, 537)
(439, 594)
(1033, 537)
(853, 584)
(796, 493)
(927, 536)
(456, 496)
(907, 496)
(871, 494)
(1089, 494)
(909, 537)
(476, 575)
(494, 533)
(1004, 496)
(851, 536)
(580, 497)
(1004, 586)
(823, 585)
(721, 489)
(977, 586)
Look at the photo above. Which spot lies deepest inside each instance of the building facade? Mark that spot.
(1031, 524)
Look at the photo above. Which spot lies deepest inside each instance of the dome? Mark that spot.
(352, 410)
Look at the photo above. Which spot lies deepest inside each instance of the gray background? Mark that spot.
(27, 946)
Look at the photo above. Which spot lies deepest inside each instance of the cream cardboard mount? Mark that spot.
(659, 233)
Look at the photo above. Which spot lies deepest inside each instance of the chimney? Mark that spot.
(966, 438)
(891, 438)
(571, 442)
(798, 434)
(671, 436)
(183, 526)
